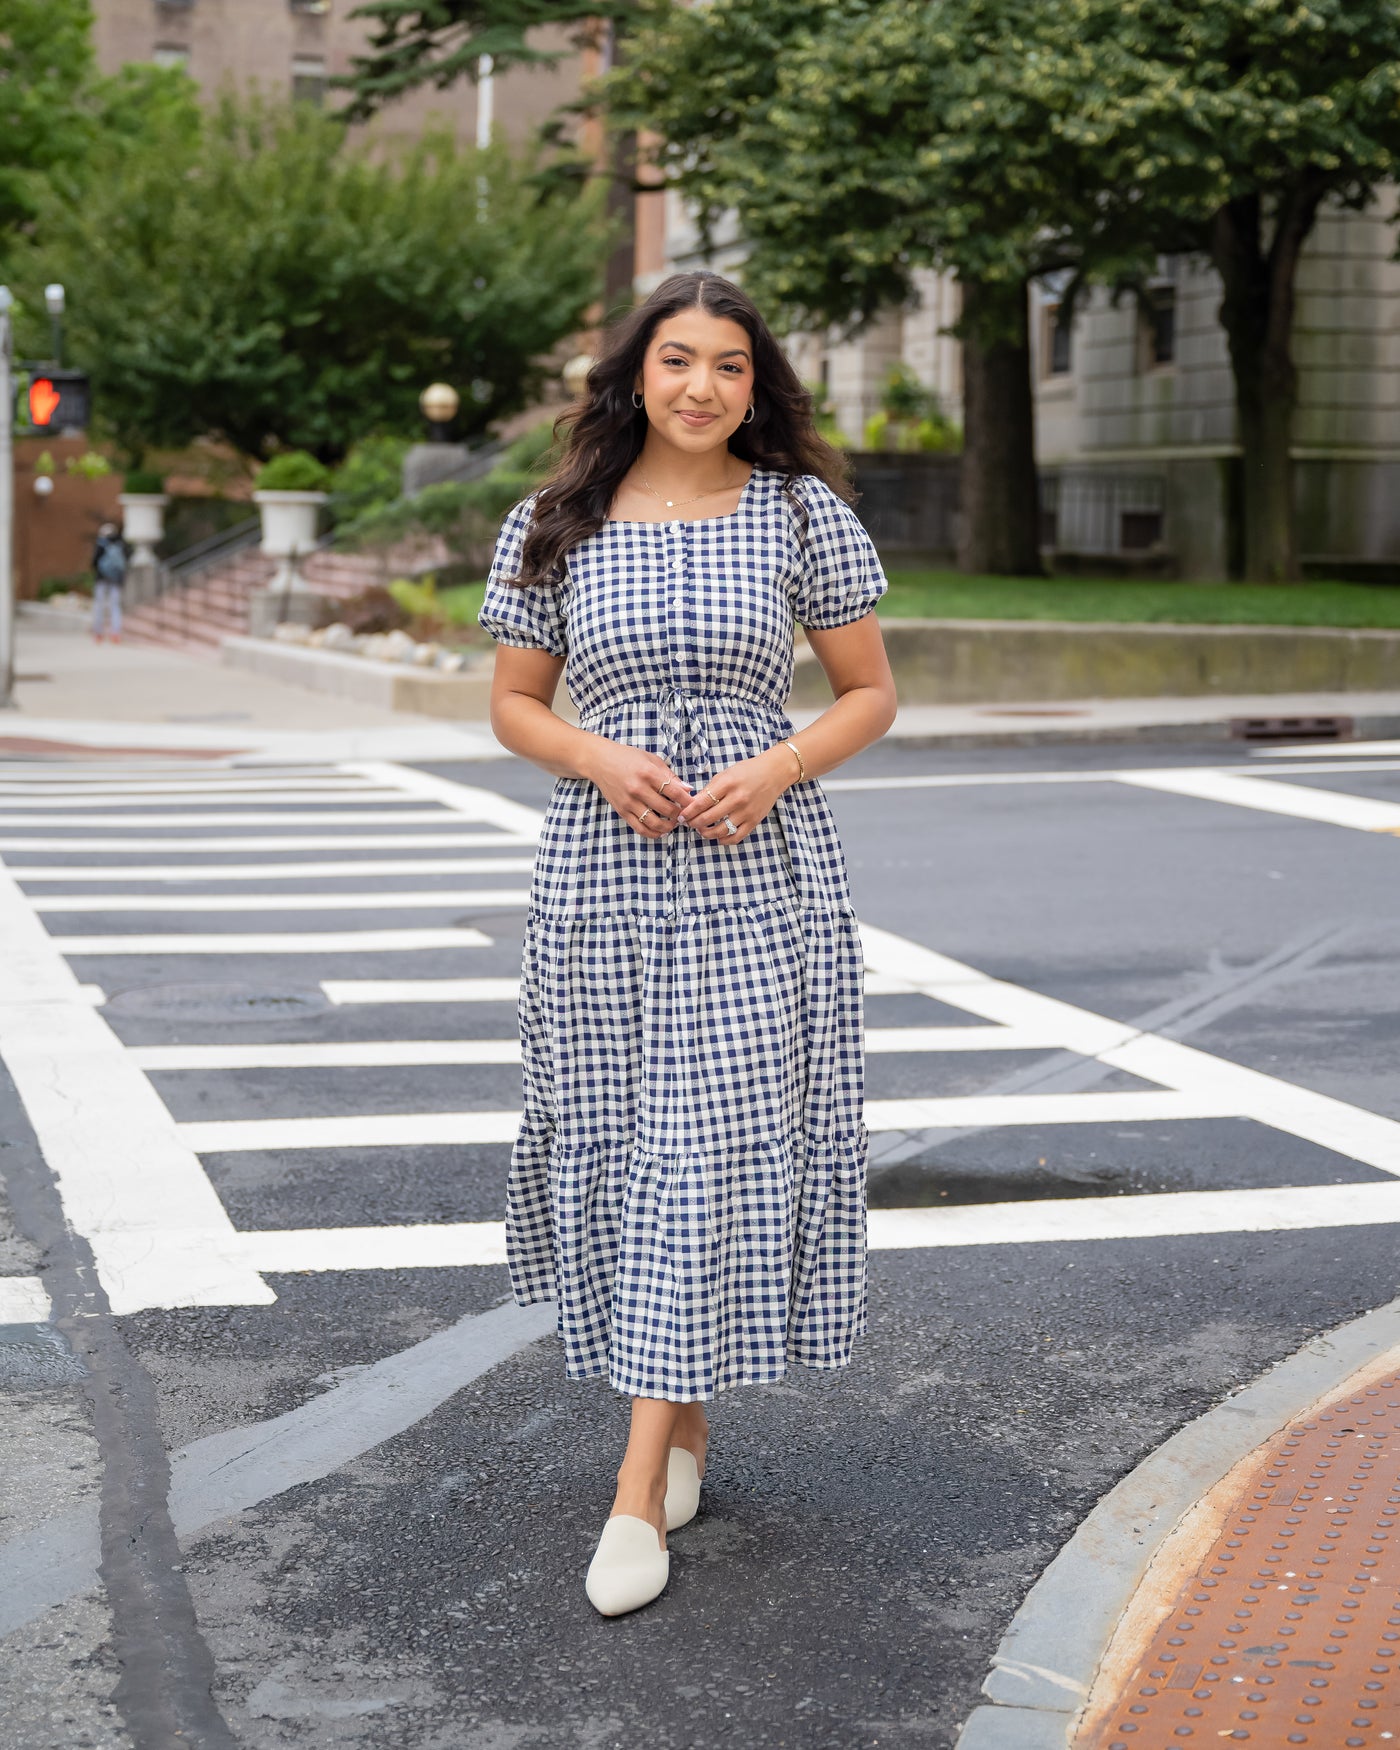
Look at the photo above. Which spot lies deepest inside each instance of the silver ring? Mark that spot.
(730, 824)
(642, 816)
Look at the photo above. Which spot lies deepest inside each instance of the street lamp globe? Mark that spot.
(575, 374)
(55, 300)
(439, 402)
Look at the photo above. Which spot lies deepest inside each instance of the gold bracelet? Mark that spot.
(801, 763)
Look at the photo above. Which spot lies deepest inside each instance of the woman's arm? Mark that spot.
(854, 660)
(523, 716)
(524, 720)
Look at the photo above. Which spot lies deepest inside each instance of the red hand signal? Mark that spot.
(43, 399)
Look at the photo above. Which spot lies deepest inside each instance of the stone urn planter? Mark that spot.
(289, 522)
(143, 523)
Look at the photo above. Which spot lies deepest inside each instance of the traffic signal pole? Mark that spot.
(7, 503)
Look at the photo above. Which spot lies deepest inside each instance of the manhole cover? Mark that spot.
(213, 1002)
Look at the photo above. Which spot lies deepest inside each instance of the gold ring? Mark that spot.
(668, 781)
(642, 816)
(710, 793)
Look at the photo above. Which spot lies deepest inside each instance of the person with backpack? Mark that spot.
(109, 562)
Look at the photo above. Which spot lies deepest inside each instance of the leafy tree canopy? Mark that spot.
(45, 64)
(859, 139)
(412, 43)
(264, 281)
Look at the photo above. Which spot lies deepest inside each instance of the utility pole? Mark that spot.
(7, 502)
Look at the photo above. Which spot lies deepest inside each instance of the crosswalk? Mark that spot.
(138, 1175)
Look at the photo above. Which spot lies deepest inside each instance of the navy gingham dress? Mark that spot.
(689, 1176)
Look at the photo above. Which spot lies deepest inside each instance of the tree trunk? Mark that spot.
(1000, 525)
(1257, 315)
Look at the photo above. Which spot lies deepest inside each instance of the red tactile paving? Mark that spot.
(1288, 1631)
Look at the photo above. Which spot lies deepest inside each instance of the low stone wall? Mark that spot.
(961, 662)
(393, 686)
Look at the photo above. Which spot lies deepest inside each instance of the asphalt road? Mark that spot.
(417, 1487)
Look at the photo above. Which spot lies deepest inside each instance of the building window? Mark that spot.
(171, 55)
(1159, 322)
(309, 79)
(1056, 340)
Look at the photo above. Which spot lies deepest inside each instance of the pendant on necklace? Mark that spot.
(670, 504)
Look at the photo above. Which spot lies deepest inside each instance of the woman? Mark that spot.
(689, 1177)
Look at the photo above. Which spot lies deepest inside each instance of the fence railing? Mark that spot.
(910, 504)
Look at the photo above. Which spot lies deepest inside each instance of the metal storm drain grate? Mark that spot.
(1289, 1630)
(1291, 728)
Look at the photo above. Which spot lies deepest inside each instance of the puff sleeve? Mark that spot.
(531, 618)
(840, 577)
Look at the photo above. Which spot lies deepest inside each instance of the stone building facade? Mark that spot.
(1135, 403)
(294, 47)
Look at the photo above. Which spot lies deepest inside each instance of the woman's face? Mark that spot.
(697, 378)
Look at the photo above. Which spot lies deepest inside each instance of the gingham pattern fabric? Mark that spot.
(689, 1177)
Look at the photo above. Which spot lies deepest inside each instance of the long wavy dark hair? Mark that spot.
(604, 434)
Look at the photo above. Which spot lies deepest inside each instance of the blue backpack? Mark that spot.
(111, 562)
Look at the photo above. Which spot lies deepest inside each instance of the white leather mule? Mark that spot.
(682, 1488)
(629, 1567)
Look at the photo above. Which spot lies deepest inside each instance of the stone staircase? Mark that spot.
(196, 617)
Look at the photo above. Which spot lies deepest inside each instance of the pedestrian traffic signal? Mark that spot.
(52, 401)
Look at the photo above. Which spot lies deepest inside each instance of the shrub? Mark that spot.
(369, 479)
(293, 471)
(144, 480)
(75, 583)
(374, 610)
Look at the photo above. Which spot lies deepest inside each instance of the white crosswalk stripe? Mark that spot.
(177, 1220)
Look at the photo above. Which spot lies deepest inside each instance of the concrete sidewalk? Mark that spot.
(72, 691)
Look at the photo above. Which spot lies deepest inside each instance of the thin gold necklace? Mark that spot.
(677, 503)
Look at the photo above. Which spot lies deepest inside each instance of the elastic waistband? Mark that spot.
(672, 696)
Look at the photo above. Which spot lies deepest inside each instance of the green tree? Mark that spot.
(438, 43)
(857, 143)
(1246, 118)
(1001, 139)
(271, 284)
(45, 65)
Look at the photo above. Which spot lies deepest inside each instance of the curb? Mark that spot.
(1044, 1668)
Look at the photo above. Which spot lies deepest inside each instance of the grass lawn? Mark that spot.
(949, 595)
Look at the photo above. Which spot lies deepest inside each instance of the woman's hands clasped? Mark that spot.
(632, 781)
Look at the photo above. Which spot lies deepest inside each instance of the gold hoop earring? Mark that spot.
(639, 400)
(749, 416)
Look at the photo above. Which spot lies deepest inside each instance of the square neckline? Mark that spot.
(658, 522)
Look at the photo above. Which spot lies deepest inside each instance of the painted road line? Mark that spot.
(1317, 1118)
(307, 942)
(964, 987)
(379, 841)
(1329, 807)
(92, 993)
(345, 991)
(351, 1054)
(385, 899)
(368, 1130)
(1196, 1076)
(425, 1053)
(1375, 749)
(128, 1184)
(1098, 775)
(466, 799)
(189, 796)
(23, 1301)
(460, 1129)
(423, 1246)
(358, 869)
(181, 819)
(1169, 1215)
